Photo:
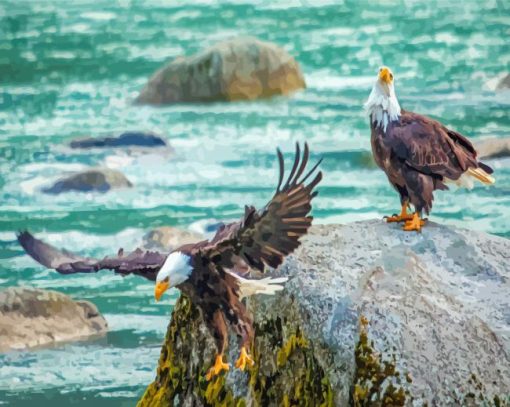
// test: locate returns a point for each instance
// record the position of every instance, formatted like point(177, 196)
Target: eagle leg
point(218, 327)
point(414, 224)
point(404, 216)
point(244, 359)
point(218, 366)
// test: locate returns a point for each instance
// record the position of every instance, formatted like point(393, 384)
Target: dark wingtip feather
point(486, 168)
point(282, 169)
point(24, 237)
point(297, 158)
point(304, 161)
point(312, 170)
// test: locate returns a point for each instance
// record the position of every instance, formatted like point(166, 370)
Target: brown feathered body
point(259, 240)
point(419, 155)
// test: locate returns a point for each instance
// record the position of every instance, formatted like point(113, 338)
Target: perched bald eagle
point(215, 274)
point(418, 154)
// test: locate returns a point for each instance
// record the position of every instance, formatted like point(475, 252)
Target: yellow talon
point(404, 216)
point(219, 365)
point(414, 224)
point(244, 359)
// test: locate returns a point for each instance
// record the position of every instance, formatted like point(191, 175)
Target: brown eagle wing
point(429, 147)
point(265, 237)
point(140, 262)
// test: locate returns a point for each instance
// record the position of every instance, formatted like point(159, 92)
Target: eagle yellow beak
point(385, 75)
point(160, 288)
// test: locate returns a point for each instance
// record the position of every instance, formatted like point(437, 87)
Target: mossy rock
point(285, 372)
point(431, 337)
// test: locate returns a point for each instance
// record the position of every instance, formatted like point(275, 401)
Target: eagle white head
point(382, 104)
point(175, 270)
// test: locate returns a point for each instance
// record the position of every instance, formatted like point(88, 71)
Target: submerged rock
point(169, 238)
point(31, 317)
point(494, 148)
point(370, 313)
point(97, 179)
point(504, 82)
point(209, 227)
point(127, 139)
point(237, 69)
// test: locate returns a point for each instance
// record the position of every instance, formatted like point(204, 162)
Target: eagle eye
point(391, 76)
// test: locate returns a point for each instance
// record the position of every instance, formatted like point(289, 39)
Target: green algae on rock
point(285, 372)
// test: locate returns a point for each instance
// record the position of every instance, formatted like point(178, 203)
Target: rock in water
point(241, 68)
point(127, 139)
point(169, 238)
point(493, 148)
point(98, 179)
point(32, 317)
point(369, 313)
point(504, 82)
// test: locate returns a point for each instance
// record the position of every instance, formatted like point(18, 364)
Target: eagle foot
point(215, 370)
point(244, 359)
point(398, 218)
point(403, 217)
point(415, 223)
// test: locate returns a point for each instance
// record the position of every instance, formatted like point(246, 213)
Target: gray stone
point(169, 238)
point(237, 69)
point(97, 179)
point(32, 317)
point(504, 82)
point(437, 305)
point(127, 139)
point(493, 148)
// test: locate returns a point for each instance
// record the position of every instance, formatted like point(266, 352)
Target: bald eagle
point(215, 274)
point(417, 153)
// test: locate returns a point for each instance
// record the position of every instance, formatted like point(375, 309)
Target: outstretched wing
point(429, 147)
point(265, 237)
point(139, 262)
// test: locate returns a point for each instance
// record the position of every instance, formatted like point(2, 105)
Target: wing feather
point(263, 238)
point(139, 262)
point(429, 147)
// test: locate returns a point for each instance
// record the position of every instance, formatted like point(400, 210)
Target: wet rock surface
point(494, 148)
point(237, 69)
point(32, 317)
point(127, 139)
point(96, 179)
point(169, 238)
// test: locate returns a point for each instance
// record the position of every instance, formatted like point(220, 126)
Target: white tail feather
point(268, 285)
point(466, 179)
point(481, 176)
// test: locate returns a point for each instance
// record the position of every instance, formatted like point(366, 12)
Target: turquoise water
point(70, 69)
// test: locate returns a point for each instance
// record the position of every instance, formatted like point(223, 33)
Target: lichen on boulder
point(237, 69)
point(437, 330)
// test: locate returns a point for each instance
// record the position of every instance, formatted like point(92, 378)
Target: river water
point(72, 68)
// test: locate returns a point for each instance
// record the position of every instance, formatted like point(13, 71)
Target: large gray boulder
point(168, 238)
point(493, 148)
point(237, 69)
point(32, 317)
point(96, 179)
point(371, 316)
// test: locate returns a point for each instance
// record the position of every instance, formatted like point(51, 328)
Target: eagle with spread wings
point(215, 274)
point(418, 154)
